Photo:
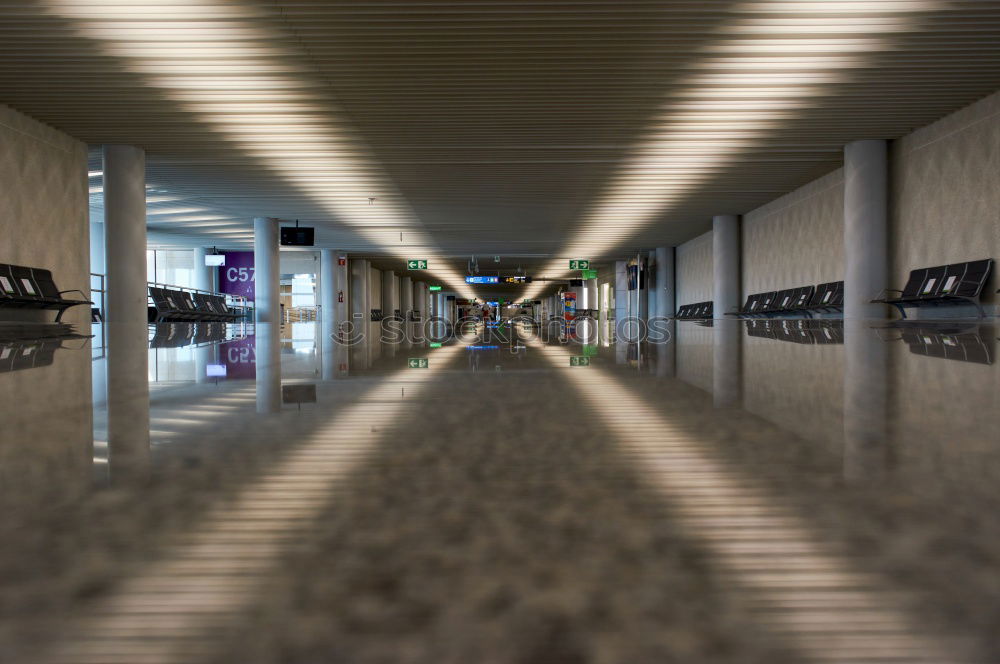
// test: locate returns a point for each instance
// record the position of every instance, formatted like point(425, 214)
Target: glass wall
point(170, 266)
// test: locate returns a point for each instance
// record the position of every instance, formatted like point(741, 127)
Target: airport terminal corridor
point(499, 332)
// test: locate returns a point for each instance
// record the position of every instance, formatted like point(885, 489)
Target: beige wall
point(44, 204)
point(693, 270)
point(796, 240)
point(946, 193)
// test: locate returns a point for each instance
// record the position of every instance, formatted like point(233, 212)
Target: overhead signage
point(517, 280)
point(435, 345)
point(579, 361)
point(482, 280)
point(588, 274)
point(416, 264)
point(417, 363)
point(579, 264)
point(433, 288)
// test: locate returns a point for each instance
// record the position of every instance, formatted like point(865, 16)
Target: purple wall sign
point(236, 277)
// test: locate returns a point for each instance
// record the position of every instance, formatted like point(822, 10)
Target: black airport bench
point(19, 355)
point(798, 330)
point(959, 283)
point(698, 311)
point(33, 288)
point(964, 344)
point(177, 306)
point(828, 297)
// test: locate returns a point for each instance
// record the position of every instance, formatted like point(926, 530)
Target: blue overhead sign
point(482, 280)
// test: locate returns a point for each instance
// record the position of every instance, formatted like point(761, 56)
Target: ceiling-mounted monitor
point(297, 236)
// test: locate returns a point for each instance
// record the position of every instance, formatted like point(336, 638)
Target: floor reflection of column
point(334, 356)
point(203, 356)
point(666, 348)
point(128, 400)
point(866, 365)
point(267, 341)
point(727, 368)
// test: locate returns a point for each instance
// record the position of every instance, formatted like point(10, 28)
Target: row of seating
point(176, 335)
point(33, 288)
point(828, 297)
point(962, 346)
point(959, 283)
point(177, 306)
point(798, 330)
point(695, 311)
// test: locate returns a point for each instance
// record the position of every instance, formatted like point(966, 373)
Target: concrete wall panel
point(694, 270)
point(44, 204)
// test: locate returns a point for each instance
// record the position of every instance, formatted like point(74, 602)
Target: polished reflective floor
point(763, 491)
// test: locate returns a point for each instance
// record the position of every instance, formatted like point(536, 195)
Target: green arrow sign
point(579, 264)
point(417, 363)
point(416, 264)
point(579, 361)
point(588, 274)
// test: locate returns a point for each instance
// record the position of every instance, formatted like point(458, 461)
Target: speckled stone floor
point(729, 496)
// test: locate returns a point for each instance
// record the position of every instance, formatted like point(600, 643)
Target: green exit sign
point(579, 265)
point(579, 361)
point(588, 274)
point(417, 363)
point(435, 345)
point(416, 264)
point(433, 288)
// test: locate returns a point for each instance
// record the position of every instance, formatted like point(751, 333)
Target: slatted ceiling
point(496, 126)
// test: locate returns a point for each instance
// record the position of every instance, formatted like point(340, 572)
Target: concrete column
point(622, 309)
point(360, 302)
point(866, 223)
point(420, 299)
point(652, 279)
point(405, 297)
point(420, 305)
point(125, 233)
point(333, 287)
point(267, 271)
point(666, 284)
point(204, 276)
point(640, 301)
point(725, 264)
point(590, 299)
point(390, 300)
point(128, 352)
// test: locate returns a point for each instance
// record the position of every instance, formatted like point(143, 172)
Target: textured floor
point(512, 507)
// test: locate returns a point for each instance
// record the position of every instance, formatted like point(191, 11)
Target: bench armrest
point(884, 294)
point(73, 290)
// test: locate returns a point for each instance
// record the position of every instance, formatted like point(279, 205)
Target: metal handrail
point(235, 301)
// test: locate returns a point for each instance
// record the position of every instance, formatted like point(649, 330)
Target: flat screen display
point(297, 236)
point(215, 260)
point(482, 280)
point(215, 370)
